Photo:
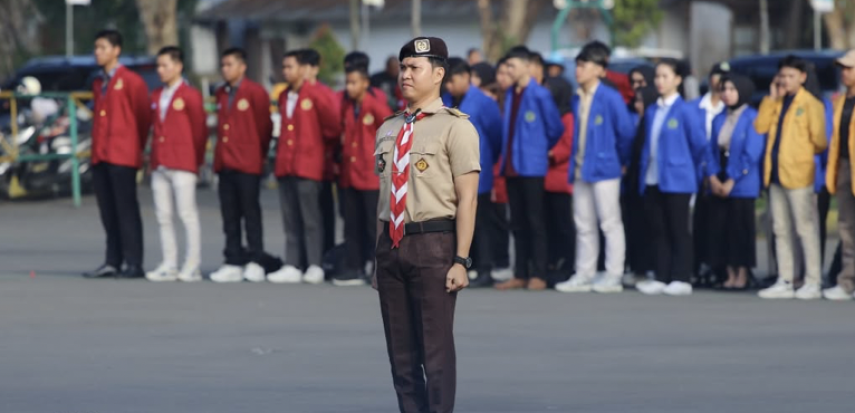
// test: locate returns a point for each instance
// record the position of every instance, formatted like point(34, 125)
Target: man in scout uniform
point(428, 160)
point(308, 120)
point(178, 148)
point(119, 133)
point(243, 139)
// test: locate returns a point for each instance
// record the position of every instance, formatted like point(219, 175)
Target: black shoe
point(349, 279)
point(104, 271)
point(131, 271)
point(483, 280)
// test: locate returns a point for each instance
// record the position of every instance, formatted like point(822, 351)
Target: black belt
point(438, 225)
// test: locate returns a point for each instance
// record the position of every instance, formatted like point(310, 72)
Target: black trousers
point(639, 253)
point(669, 226)
point(823, 201)
point(526, 196)
point(327, 203)
point(561, 231)
point(418, 319)
point(482, 244)
point(116, 192)
point(732, 237)
point(500, 235)
point(701, 220)
point(360, 227)
point(239, 204)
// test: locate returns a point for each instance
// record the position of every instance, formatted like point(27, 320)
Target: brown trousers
point(418, 318)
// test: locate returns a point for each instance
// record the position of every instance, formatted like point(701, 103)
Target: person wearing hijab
point(641, 77)
point(638, 252)
point(733, 168)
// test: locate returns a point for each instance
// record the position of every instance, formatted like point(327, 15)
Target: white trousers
point(795, 214)
point(592, 204)
point(169, 184)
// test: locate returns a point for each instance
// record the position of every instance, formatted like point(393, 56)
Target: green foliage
point(332, 54)
point(633, 19)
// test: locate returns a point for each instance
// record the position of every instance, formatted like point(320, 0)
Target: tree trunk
point(17, 36)
point(159, 19)
point(517, 19)
point(835, 25)
point(764, 27)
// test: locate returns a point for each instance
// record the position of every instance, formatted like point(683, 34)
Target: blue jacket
point(538, 128)
point(747, 148)
point(485, 116)
point(682, 146)
point(821, 160)
point(610, 133)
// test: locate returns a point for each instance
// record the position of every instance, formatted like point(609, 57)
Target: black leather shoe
point(131, 271)
point(104, 271)
point(483, 280)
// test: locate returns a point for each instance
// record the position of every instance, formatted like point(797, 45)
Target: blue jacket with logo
point(821, 160)
point(610, 133)
point(747, 148)
point(485, 116)
point(538, 128)
point(682, 147)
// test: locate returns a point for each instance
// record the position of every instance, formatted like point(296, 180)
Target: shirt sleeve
point(464, 150)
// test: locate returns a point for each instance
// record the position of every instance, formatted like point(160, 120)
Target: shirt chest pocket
point(425, 159)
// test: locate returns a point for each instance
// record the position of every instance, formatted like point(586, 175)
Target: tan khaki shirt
point(585, 101)
point(445, 146)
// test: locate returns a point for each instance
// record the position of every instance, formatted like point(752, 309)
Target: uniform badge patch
point(673, 124)
point(530, 117)
point(422, 165)
point(381, 164)
point(306, 104)
point(178, 104)
point(243, 104)
point(800, 111)
point(598, 120)
point(368, 119)
point(422, 45)
point(119, 84)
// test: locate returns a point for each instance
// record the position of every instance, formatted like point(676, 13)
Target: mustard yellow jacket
point(802, 138)
point(834, 150)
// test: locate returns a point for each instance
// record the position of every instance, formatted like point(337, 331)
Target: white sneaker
point(576, 284)
point(781, 290)
point(190, 275)
point(608, 283)
point(809, 292)
point(254, 273)
point(678, 288)
point(651, 287)
point(314, 275)
point(836, 294)
point(227, 274)
point(503, 274)
point(162, 273)
point(288, 274)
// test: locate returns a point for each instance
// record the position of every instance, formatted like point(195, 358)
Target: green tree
point(332, 54)
point(633, 19)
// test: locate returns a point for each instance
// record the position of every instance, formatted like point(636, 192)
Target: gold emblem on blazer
point(306, 104)
point(422, 45)
point(178, 104)
point(119, 84)
point(422, 165)
point(673, 124)
point(368, 119)
point(530, 116)
point(243, 104)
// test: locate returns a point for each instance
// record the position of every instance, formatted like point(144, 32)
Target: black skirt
point(732, 233)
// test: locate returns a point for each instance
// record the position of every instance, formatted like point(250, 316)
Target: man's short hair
point(794, 62)
point(458, 66)
point(595, 55)
point(311, 57)
point(598, 45)
point(110, 35)
point(173, 52)
point(537, 59)
point(356, 62)
point(519, 52)
point(235, 52)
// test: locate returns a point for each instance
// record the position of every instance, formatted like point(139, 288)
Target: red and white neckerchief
point(401, 176)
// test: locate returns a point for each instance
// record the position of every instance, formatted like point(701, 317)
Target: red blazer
point(332, 143)
point(180, 138)
point(360, 133)
point(302, 141)
point(121, 119)
point(559, 163)
point(244, 130)
point(500, 185)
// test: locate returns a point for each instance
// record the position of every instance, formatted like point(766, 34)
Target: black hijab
point(649, 95)
point(743, 85)
point(647, 72)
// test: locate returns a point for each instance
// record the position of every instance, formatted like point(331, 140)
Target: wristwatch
point(465, 262)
